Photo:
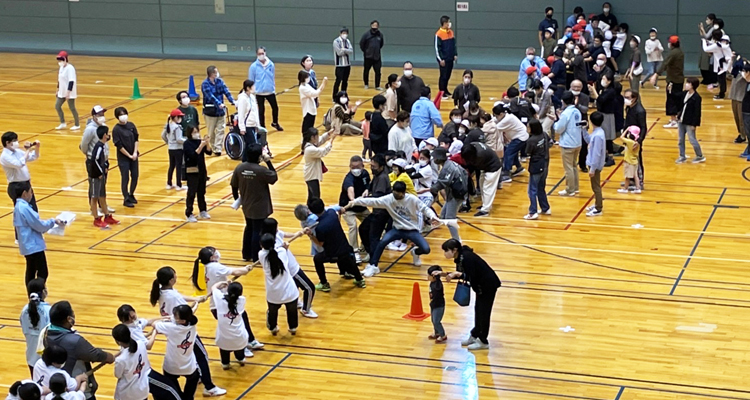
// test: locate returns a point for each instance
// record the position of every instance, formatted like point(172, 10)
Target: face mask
point(628, 102)
point(262, 58)
point(570, 46)
point(397, 84)
point(576, 50)
point(407, 73)
point(575, 92)
point(467, 81)
point(389, 163)
point(688, 87)
point(307, 81)
point(456, 121)
point(600, 62)
point(450, 25)
point(716, 27)
point(196, 136)
point(633, 45)
point(474, 112)
point(101, 120)
point(343, 100)
point(606, 10)
point(529, 57)
point(217, 254)
point(569, 34)
point(357, 172)
point(462, 130)
point(652, 37)
point(218, 75)
point(16, 145)
point(61, 63)
point(123, 118)
point(604, 83)
point(422, 163)
point(185, 101)
point(549, 16)
point(374, 30)
point(343, 37)
point(597, 44)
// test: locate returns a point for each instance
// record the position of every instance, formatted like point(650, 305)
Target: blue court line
point(264, 376)
point(622, 389)
point(697, 243)
point(556, 185)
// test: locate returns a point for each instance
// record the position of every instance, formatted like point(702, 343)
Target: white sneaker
point(478, 345)
point(594, 213)
point(379, 88)
point(300, 303)
point(565, 192)
point(181, 188)
point(293, 331)
point(548, 212)
point(255, 345)
point(61, 127)
point(204, 215)
point(309, 314)
point(415, 257)
point(357, 258)
point(215, 392)
point(367, 86)
point(16, 241)
point(637, 191)
point(110, 210)
point(393, 246)
point(248, 353)
point(75, 128)
point(623, 190)
point(531, 216)
point(671, 125)
point(275, 331)
point(226, 367)
point(370, 271)
point(402, 247)
point(192, 219)
point(169, 187)
point(469, 341)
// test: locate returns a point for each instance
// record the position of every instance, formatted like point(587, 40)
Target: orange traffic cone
point(416, 313)
point(438, 98)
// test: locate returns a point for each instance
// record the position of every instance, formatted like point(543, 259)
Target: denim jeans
point(422, 246)
point(690, 131)
point(436, 317)
point(511, 155)
point(537, 190)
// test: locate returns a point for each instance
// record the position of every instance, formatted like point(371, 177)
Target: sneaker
point(217, 154)
point(524, 159)
point(518, 171)
point(469, 341)
point(75, 128)
point(370, 271)
point(637, 191)
point(589, 208)
point(309, 314)
point(565, 192)
point(367, 160)
point(433, 336)
point(132, 199)
point(671, 125)
point(357, 258)
point(478, 345)
point(717, 97)
point(739, 139)
point(656, 88)
point(169, 187)
point(531, 216)
point(360, 284)
point(110, 210)
point(481, 213)
point(392, 246)
point(623, 190)
point(181, 188)
point(464, 209)
point(111, 221)
point(226, 367)
point(99, 223)
point(594, 213)
point(61, 127)
point(402, 247)
point(698, 160)
point(548, 212)
point(192, 219)
point(446, 97)
point(293, 331)
point(365, 258)
point(275, 331)
point(711, 86)
point(248, 353)
point(204, 215)
point(348, 275)
point(323, 287)
point(367, 86)
point(215, 392)
point(255, 345)
point(415, 258)
point(506, 179)
point(680, 160)
point(278, 127)
point(300, 303)
point(441, 339)
point(379, 88)
point(745, 154)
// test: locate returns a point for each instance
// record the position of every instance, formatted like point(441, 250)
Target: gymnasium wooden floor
point(646, 302)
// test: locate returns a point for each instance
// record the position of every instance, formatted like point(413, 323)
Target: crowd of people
point(413, 170)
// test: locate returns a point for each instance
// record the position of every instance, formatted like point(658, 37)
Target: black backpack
point(460, 185)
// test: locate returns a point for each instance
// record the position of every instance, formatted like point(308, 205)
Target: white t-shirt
point(307, 96)
point(42, 373)
point(231, 334)
point(512, 128)
point(179, 358)
point(281, 289)
point(78, 395)
point(620, 39)
point(136, 329)
point(65, 75)
point(215, 272)
point(11, 397)
point(293, 266)
point(131, 371)
point(168, 300)
point(425, 182)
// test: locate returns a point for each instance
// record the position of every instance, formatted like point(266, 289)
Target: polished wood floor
point(645, 302)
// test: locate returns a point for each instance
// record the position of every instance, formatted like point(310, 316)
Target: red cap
point(592, 16)
point(176, 113)
point(576, 36)
point(674, 39)
point(530, 70)
point(578, 28)
point(545, 70)
point(582, 23)
point(63, 55)
point(550, 60)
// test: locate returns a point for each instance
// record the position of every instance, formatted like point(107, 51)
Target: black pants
point(709, 77)
point(36, 266)
point(245, 320)
point(308, 122)
point(640, 165)
point(239, 355)
point(366, 148)
point(342, 79)
point(313, 189)
point(345, 262)
point(372, 228)
point(162, 387)
point(128, 174)
point(191, 384)
point(201, 356)
point(175, 161)
point(251, 239)
point(308, 289)
point(445, 75)
point(722, 84)
point(12, 194)
point(583, 154)
point(375, 65)
point(272, 315)
point(271, 98)
point(482, 312)
point(196, 184)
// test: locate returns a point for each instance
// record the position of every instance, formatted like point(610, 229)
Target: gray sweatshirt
point(89, 138)
point(407, 213)
point(446, 177)
point(173, 138)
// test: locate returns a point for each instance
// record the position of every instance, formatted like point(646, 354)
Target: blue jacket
point(597, 149)
point(264, 77)
point(566, 127)
point(538, 63)
point(213, 93)
point(30, 228)
point(423, 115)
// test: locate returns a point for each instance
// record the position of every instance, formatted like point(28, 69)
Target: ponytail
point(121, 333)
point(185, 313)
point(234, 291)
point(169, 119)
point(199, 275)
point(267, 241)
point(307, 136)
point(58, 385)
point(163, 276)
point(35, 289)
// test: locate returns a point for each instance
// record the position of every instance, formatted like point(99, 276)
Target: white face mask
point(344, 36)
point(529, 57)
point(462, 130)
point(343, 100)
point(633, 45)
point(196, 136)
point(457, 120)
point(688, 87)
point(307, 81)
point(218, 75)
point(570, 46)
point(185, 101)
point(450, 25)
point(357, 172)
point(61, 63)
point(604, 83)
point(389, 163)
point(217, 254)
point(474, 112)
point(628, 102)
point(123, 118)
point(576, 51)
point(606, 10)
point(16, 145)
point(397, 84)
point(575, 92)
point(101, 120)
point(467, 81)
point(600, 62)
point(262, 58)
point(716, 26)
point(422, 163)
point(407, 73)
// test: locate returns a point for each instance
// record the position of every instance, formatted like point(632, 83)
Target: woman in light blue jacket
point(263, 73)
point(34, 318)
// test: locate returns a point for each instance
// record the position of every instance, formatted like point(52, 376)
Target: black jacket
point(193, 159)
point(474, 136)
point(636, 115)
point(462, 94)
point(450, 130)
point(378, 133)
point(583, 106)
point(606, 102)
point(522, 108)
point(485, 160)
point(692, 109)
point(409, 92)
point(371, 43)
point(477, 271)
point(537, 148)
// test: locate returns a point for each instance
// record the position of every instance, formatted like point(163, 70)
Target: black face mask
point(374, 30)
point(549, 16)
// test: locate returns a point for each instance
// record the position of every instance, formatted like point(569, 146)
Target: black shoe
point(481, 213)
point(132, 199)
point(739, 139)
point(277, 127)
point(128, 204)
point(584, 170)
point(464, 209)
point(217, 154)
point(518, 171)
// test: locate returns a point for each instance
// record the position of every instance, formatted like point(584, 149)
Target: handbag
point(638, 70)
point(462, 295)
point(323, 166)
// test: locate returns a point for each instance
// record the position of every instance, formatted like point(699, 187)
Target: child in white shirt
point(654, 55)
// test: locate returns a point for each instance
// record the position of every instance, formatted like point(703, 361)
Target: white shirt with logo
point(179, 358)
point(231, 334)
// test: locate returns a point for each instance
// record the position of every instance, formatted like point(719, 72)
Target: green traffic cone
point(136, 90)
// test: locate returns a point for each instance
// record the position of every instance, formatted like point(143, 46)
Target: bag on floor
point(234, 145)
point(328, 119)
point(462, 295)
